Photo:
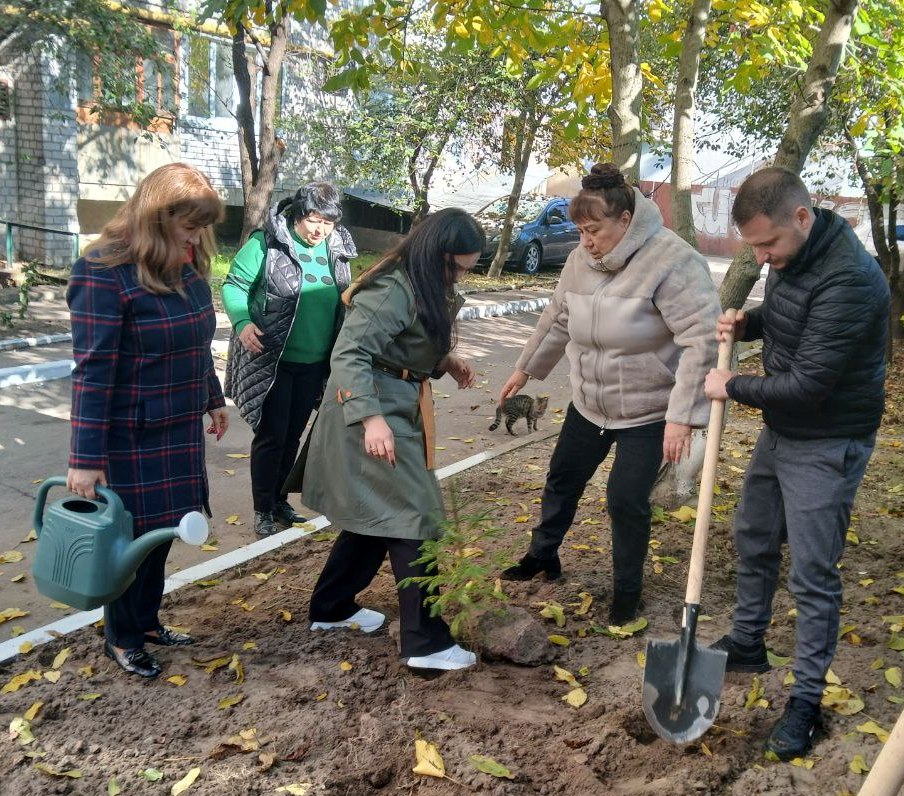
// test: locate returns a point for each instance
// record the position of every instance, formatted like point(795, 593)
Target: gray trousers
point(800, 492)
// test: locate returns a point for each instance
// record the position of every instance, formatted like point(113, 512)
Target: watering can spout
point(192, 529)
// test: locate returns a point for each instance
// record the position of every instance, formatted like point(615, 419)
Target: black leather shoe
point(167, 637)
point(528, 567)
point(743, 658)
point(134, 661)
point(264, 524)
point(285, 516)
point(626, 607)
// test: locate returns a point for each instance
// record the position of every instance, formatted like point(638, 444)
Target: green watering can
point(86, 555)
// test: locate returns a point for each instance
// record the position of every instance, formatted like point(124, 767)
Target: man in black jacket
point(824, 322)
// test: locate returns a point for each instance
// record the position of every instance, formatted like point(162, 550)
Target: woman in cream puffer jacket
point(634, 311)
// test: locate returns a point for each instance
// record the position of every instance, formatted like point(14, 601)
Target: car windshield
point(528, 209)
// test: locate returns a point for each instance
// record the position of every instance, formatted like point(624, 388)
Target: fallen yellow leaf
point(684, 514)
point(346, 666)
point(58, 605)
point(73, 773)
point(296, 788)
point(238, 455)
point(53, 676)
point(893, 676)
point(871, 728)
point(186, 782)
point(486, 765)
point(19, 680)
point(560, 641)
point(33, 710)
point(60, 658)
point(11, 557)
point(17, 578)
point(25, 647)
point(11, 613)
point(429, 762)
point(20, 730)
point(858, 765)
point(576, 697)
point(90, 697)
point(231, 701)
point(565, 676)
point(177, 679)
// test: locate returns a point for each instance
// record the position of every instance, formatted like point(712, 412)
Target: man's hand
point(714, 386)
point(724, 326)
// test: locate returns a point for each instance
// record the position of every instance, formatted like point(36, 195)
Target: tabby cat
point(521, 406)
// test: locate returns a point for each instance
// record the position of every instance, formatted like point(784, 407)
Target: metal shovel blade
point(682, 683)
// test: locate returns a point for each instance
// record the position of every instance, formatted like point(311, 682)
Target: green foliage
point(461, 572)
point(109, 36)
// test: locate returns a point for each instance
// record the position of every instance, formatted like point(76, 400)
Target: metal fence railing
point(11, 225)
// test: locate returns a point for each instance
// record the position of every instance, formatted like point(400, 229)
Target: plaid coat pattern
point(143, 379)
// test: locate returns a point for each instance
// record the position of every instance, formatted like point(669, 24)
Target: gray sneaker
point(264, 524)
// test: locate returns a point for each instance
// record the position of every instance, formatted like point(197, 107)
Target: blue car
point(543, 234)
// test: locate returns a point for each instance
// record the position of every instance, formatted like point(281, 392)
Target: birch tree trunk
point(627, 84)
point(683, 125)
point(806, 121)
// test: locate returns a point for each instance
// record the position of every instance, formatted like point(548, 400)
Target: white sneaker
point(363, 619)
point(453, 658)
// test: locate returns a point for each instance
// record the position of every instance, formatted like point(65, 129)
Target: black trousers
point(581, 448)
point(353, 564)
point(130, 615)
point(284, 415)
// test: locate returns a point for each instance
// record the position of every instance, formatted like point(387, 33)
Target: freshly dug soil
point(337, 713)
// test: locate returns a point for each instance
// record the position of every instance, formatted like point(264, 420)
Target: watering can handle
point(114, 504)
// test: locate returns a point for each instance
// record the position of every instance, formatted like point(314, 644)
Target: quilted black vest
point(272, 301)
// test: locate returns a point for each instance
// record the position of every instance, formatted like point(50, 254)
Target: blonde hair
point(143, 231)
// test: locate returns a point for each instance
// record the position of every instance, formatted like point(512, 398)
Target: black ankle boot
point(528, 567)
point(626, 607)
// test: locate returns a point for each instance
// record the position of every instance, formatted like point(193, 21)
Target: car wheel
point(530, 261)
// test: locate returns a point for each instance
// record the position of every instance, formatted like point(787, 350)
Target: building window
point(211, 85)
point(139, 87)
point(5, 106)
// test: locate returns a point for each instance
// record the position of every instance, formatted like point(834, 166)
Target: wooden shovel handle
point(708, 480)
point(887, 774)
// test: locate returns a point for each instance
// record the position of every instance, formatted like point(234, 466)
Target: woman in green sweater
point(282, 296)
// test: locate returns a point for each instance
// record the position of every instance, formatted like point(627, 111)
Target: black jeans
point(353, 563)
point(284, 414)
point(133, 613)
point(581, 448)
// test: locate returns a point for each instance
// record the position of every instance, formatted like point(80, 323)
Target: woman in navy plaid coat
point(142, 324)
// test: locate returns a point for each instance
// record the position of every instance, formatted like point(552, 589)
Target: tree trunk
point(683, 126)
point(528, 123)
point(627, 85)
point(259, 150)
point(807, 118)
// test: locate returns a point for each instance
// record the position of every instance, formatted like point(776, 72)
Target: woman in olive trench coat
point(369, 467)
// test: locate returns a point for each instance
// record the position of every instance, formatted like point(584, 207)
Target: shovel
point(887, 774)
point(682, 680)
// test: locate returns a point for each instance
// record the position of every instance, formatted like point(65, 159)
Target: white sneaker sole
point(442, 664)
point(365, 620)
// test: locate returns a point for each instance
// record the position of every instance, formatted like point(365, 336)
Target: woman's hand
point(82, 482)
point(378, 438)
point(676, 443)
point(459, 369)
point(219, 422)
point(250, 338)
point(725, 326)
point(515, 382)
